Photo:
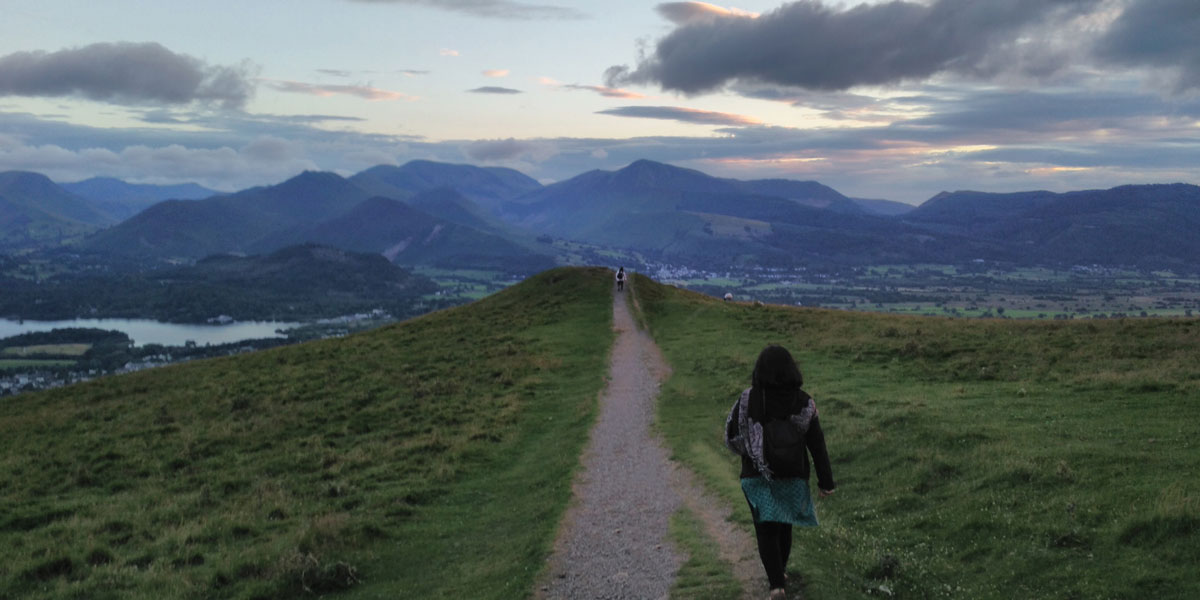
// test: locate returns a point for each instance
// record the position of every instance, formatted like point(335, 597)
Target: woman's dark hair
point(776, 370)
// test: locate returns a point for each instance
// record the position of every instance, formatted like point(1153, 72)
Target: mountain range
point(462, 216)
point(121, 200)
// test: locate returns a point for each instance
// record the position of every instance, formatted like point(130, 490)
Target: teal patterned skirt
point(780, 500)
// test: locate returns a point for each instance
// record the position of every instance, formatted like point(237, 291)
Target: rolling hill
point(450, 205)
point(488, 186)
point(231, 223)
point(1143, 225)
point(408, 236)
point(121, 200)
point(36, 212)
point(339, 465)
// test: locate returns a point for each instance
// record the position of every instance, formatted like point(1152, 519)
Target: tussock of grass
point(976, 459)
point(427, 459)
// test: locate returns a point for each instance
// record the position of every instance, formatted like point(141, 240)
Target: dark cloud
point(492, 89)
point(811, 45)
point(493, 9)
point(335, 72)
point(505, 150)
point(686, 115)
point(833, 105)
point(124, 73)
point(1157, 33)
point(988, 112)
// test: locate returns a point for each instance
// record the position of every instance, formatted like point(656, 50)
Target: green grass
point(976, 458)
point(47, 350)
point(426, 459)
point(21, 363)
point(703, 576)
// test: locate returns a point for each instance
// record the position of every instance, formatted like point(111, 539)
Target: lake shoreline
point(149, 331)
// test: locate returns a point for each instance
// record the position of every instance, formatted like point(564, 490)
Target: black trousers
point(774, 547)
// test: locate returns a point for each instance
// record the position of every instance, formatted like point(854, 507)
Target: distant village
point(44, 379)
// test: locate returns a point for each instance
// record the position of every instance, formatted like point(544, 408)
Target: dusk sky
point(897, 100)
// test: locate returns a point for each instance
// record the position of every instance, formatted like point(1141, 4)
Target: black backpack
point(783, 445)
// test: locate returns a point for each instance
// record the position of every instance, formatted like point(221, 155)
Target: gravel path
point(613, 542)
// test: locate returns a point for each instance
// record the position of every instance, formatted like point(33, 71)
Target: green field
point(967, 290)
point(47, 350)
point(464, 285)
point(22, 363)
point(975, 458)
point(426, 459)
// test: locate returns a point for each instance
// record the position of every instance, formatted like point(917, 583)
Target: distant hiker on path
point(620, 279)
point(773, 426)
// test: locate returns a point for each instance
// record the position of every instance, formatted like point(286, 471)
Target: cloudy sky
point(897, 100)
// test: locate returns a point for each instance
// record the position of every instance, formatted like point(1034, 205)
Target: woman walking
point(773, 426)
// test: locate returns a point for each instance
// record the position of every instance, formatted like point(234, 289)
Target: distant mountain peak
point(24, 178)
point(309, 177)
point(645, 173)
point(317, 184)
point(643, 163)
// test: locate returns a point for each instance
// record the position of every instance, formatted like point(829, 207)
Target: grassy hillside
point(430, 459)
point(976, 458)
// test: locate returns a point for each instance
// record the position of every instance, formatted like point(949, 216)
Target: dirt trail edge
point(613, 543)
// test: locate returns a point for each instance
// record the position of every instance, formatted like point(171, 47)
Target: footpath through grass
point(428, 459)
point(975, 458)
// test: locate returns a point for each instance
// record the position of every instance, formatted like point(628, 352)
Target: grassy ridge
point(976, 459)
point(427, 459)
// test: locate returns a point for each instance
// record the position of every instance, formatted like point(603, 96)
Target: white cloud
point(360, 91)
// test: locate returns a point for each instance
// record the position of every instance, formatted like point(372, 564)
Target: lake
point(146, 331)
